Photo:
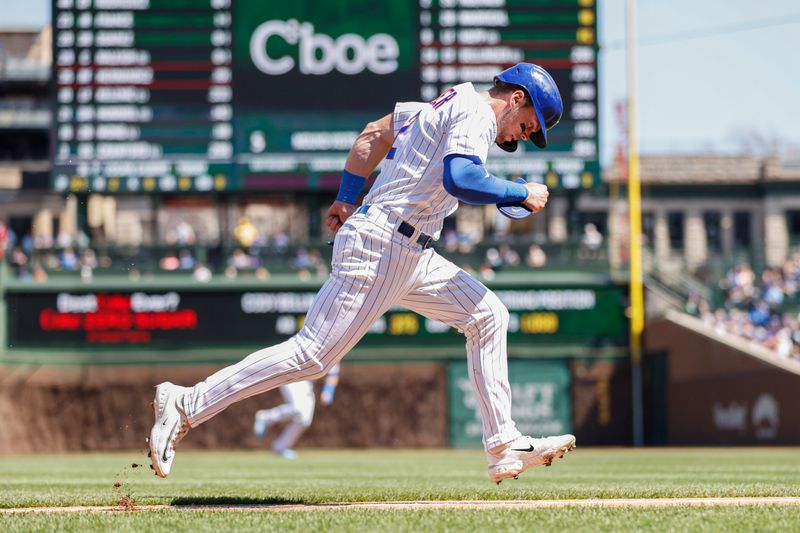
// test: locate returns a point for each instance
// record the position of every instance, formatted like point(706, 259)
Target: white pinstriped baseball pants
point(374, 268)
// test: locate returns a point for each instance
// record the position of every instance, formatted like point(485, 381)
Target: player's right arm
point(367, 152)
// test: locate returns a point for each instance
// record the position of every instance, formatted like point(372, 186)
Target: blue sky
point(712, 75)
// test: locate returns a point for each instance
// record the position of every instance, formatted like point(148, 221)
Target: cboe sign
point(319, 53)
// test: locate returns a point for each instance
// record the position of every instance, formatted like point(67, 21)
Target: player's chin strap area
point(508, 146)
point(405, 229)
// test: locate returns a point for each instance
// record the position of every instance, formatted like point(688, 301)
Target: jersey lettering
point(438, 102)
point(443, 98)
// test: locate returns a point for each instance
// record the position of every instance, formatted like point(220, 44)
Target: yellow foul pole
point(635, 239)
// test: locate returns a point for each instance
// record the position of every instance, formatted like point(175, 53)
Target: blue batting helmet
point(545, 96)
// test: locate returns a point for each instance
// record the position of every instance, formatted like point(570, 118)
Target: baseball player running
point(297, 409)
point(434, 155)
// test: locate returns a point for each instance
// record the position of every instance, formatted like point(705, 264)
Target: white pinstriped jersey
point(459, 121)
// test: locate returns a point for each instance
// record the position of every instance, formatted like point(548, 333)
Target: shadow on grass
point(233, 501)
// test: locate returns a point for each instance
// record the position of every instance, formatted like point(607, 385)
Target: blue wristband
point(350, 187)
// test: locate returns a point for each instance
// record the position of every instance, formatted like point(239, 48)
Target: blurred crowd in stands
point(763, 309)
point(532, 255)
point(252, 253)
point(28, 261)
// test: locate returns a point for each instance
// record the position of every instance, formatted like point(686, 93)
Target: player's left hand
point(338, 213)
point(535, 202)
point(537, 196)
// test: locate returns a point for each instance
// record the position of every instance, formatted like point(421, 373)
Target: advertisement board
point(184, 317)
point(541, 402)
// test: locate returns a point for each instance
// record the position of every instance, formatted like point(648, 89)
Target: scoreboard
point(143, 95)
point(191, 317)
point(223, 95)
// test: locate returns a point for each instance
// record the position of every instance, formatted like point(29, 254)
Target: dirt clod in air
point(122, 494)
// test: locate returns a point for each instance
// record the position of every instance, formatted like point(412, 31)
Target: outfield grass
point(338, 476)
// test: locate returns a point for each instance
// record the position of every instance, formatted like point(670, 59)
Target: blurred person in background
point(39, 274)
point(297, 410)
point(43, 241)
point(201, 273)
point(87, 262)
point(486, 271)
point(493, 259)
point(465, 243)
point(63, 239)
point(240, 260)
point(231, 272)
point(169, 262)
point(591, 241)
point(450, 238)
point(182, 234)
point(280, 242)
point(302, 260)
point(536, 257)
point(692, 305)
point(186, 260)
point(509, 256)
point(68, 259)
point(19, 263)
point(245, 232)
point(27, 244)
point(319, 263)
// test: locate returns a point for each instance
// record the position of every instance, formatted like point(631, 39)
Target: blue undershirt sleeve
point(466, 178)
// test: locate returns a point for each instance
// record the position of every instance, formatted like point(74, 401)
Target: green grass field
point(224, 478)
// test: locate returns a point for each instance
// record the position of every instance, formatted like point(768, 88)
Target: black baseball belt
point(406, 229)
